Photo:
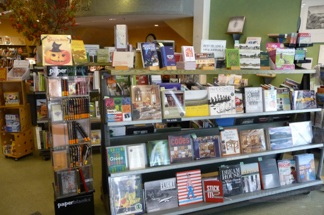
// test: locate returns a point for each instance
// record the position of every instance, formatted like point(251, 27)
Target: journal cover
point(303, 99)
point(158, 152)
point(161, 195)
point(253, 100)
point(283, 99)
point(207, 147)
point(287, 172)
point(221, 100)
point(118, 109)
point(188, 53)
point(126, 195)
point(230, 143)
point(213, 191)
point(270, 100)
point(232, 58)
point(301, 133)
point(42, 113)
point(173, 104)
point(56, 50)
point(196, 103)
point(269, 174)
point(167, 53)
point(180, 148)
point(250, 177)
point(305, 165)
point(149, 55)
point(280, 138)
point(136, 156)
point(78, 52)
point(146, 103)
point(231, 180)
point(239, 105)
point(253, 141)
point(189, 187)
point(116, 159)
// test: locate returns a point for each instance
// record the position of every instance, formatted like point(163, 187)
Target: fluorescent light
point(156, 25)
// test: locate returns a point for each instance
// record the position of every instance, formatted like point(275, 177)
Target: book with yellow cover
point(196, 103)
point(78, 52)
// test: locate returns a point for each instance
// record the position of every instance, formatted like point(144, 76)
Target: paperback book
point(279, 138)
point(253, 100)
point(167, 54)
point(161, 195)
point(42, 113)
point(78, 52)
point(305, 165)
point(116, 158)
point(287, 172)
point(180, 148)
point(303, 99)
point(136, 156)
point(158, 153)
point(126, 195)
point(173, 104)
point(67, 182)
point(230, 143)
point(253, 141)
point(250, 177)
point(232, 58)
point(188, 53)
point(196, 103)
point(118, 109)
point(231, 180)
point(213, 190)
point(270, 100)
point(221, 100)
point(283, 99)
point(149, 55)
point(102, 56)
point(301, 133)
point(207, 147)
point(269, 174)
point(239, 105)
point(189, 187)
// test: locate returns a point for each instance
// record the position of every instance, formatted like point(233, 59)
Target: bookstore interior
point(158, 125)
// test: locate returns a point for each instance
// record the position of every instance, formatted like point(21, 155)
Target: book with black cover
point(149, 55)
point(305, 165)
point(269, 174)
point(180, 148)
point(231, 179)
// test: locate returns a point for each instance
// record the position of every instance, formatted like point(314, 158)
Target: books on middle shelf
point(173, 105)
point(279, 138)
point(221, 100)
point(207, 147)
point(230, 143)
point(181, 149)
point(253, 141)
point(158, 152)
point(253, 99)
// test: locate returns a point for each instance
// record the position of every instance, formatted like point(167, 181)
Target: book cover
point(67, 182)
point(283, 99)
point(116, 159)
point(158, 153)
point(188, 53)
point(126, 195)
point(161, 195)
point(274, 46)
point(180, 148)
point(173, 104)
point(269, 174)
point(207, 147)
point(136, 156)
point(303, 99)
point(146, 103)
point(231, 180)
point(121, 37)
point(250, 177)
point(253, 141)
point(56, 50)
point(196, 103)
point(189, 187)
point(287, 172)
point(123, 59)
point(41, 107)
point(264, 59)
point(221, 100)
point(280, 138)
point(305, 167)
point(168, 56)
point(102, 56)
point(213, 190)
point(95, 137)
point(78, 52)
point(232, 58)
point(139, 80)
point(149, 55)
point(269, 100)
point(253, 40)
point(239, 105)
point(285, 59)
point(253, 100)
point(118, 109)
point(301, 133)
point(3, 73)
point(56, 113)
point(170, 86)
point(230, 143)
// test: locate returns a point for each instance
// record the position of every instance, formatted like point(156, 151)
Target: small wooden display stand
point(169, 68)
point(234, 68)
point(152, 68)
point(121, 68)
point(207, 68)
point(267, 77)
point(265, 68)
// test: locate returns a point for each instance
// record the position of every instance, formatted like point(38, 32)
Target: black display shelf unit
point(298, 45)
point(209, 165)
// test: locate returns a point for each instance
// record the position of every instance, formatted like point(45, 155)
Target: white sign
point(217, 47)
point(91, 49)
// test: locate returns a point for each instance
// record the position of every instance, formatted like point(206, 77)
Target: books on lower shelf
point(269, 174)
point(42, 138)
point(231, 180)
point(287, 172)
point(250, 177)
point(305, 167)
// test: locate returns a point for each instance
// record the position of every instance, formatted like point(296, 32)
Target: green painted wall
point(261, 18)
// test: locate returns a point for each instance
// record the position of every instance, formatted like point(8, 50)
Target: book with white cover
point(217, 47)
point(136, 156)
point(188, 53)
point(270, 100)
point(221, 100)
point(253, 40)
point(253, 100)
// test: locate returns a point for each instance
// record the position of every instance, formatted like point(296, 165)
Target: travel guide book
point(158, 152)
point(269, 174)
point(279, 138)
point(253, 141)
point(180, 148)
point(305, 166)
point(221, 100)
point(287, 172)
point(250, 177)
point(207, 147)
point(149, 55)
point(116, 158)
point(230, 143)
point(231, 180)
point(173, 104)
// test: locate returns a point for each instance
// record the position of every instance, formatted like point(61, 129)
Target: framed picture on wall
point(236, 25)
point(312, 19)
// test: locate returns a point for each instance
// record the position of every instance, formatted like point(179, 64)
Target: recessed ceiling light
point(37, 20)
point(156, 25)
point(112, 19)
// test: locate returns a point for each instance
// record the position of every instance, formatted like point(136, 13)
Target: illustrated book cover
point(146, 103)
point(116, 158)
point(279, 138)
point(42, 113)
point(189, 187)
point(239, 105)
point(269, 100)
point(102, 56)
point(95, 137)
point(196, 103)
point(78, 52)
point(250, 177)
point(136, 156)
point(67, 182)
point(287, 172)
point(231, 180)
point(269, 174)
point(149, 55)
point(173, 104)
point(302, 132)
point(253, 141)
point(188, 53)
point(253, 100)
point(158, 153)
point(230, 143)
point(283, 99)
point(118, 109)
point(167, 53)
point(126, 195)
point(232, 58)
point(213, 190)
point(161, 194)
point(303, 99)
point(305, 167)
point(180, 148)
point(221, 100)
point(207, 147)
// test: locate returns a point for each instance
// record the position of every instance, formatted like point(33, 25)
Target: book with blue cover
point(116, 158)
point(168, 58)
point(305, 167)
point(279, 138)
point(149, 55)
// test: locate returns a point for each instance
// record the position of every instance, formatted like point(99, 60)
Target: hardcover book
point(102, 56)
point(158, 153)
point(180, 148)
point(146, 103)
point(250, 177)
point(116, 158)
point(213, 190)
point(196, 103)
point(231, 180)
point(305, 165)
point(264, 59)
point(269, 174)
point(253, 100)
point(232, 58)
point(253, 141)
point(287, 172)
point(230, 143)
point(189, 187)
point(188, 53)
point(283, 99)
point(173, 104)
point(136, 156)
point(161, 195)
point(279, 138)
point(126, 195)
point(270, 100)
point(303, 99)
point(239, 105)
point(207, 147)
point(221, 100)
point(78, 52)
point(56, 50)
point(167, 53)
point(118, 109)
point(149, 55)
point(301, 133)
point(42, 113)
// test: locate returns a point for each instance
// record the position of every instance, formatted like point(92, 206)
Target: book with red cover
point(213, 191)
point(180, 148)
point(189, 187)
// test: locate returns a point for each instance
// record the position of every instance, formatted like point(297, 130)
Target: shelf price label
point(171, 120)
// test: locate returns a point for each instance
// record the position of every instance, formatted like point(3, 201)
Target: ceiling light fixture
point(156, 25)
point(37, 20)
point(111, 19)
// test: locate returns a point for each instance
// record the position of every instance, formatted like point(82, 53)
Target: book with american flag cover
point(189, 187)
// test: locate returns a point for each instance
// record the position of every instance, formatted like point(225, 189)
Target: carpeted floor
point(26, 187)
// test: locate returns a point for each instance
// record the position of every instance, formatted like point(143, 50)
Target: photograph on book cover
point(312, 15)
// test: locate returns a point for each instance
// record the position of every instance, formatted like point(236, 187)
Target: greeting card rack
point(213, 164)
point(67, 92)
